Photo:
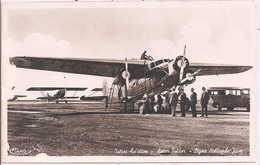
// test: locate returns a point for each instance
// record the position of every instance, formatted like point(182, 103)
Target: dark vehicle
point(230, 97)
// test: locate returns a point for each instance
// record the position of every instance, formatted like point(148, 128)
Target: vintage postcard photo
point(151, 81)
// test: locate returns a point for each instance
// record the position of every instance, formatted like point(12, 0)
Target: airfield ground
point(87, 129)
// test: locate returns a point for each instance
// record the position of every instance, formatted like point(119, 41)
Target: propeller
point(127, 77)
point(190, 76)
point(182, 64)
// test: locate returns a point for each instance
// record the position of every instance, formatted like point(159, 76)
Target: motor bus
point(230, 97)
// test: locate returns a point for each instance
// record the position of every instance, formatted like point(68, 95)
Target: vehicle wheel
point(57, 101)
point(230, 108)
point(66, 101)
point(248, 107)
point(218, 107)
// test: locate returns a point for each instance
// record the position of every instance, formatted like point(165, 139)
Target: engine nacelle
point(122, 73)
point(190, 78)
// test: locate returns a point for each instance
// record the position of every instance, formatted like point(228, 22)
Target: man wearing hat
point(193, 99)
point(167, 101)
point(173, 100)
point(204, 102)
point(183, 100)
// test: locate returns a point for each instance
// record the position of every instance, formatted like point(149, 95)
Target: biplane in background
point(59, 95)
point(143, 75)
point(94, 98)
point(16, 97)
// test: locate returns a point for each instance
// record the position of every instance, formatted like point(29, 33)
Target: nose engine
point(179, 62)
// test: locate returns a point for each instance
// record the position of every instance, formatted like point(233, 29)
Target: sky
point(213, 33)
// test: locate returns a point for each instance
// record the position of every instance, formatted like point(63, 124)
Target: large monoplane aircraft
point(144, 75)
point(58, 96)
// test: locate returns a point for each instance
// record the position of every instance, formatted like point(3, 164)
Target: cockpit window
point(158, 62)
point(152, 65)
point(166, 60)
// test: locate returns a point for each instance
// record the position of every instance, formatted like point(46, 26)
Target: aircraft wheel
point(230, 108)
point(57, 101)
point(66, 101)
point(248, 107)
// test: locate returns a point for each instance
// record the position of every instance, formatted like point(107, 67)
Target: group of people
point(172, 98)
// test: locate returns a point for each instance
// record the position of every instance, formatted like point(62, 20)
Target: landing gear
point(66, 101)
point(57, 101)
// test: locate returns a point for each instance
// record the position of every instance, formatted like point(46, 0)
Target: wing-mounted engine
point(189, 77)
point(122, 74)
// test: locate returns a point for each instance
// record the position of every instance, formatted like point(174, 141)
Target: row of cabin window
point(229, 92)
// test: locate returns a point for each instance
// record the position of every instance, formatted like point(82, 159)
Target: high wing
point(55, 88)
point(110, 68)
point(98, 67)
point(216, 69)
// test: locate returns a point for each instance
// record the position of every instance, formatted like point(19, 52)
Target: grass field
point(90, 130)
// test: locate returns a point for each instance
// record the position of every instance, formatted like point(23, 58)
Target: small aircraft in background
point(95, 98)
point(15, 97)
point(144, 75)
point(59, 95)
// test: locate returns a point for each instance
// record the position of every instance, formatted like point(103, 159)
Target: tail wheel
point(178, 62)
point(248, 107)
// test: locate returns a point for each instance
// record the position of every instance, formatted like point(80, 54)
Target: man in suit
point(152, 99)
point(173, 100)
point(183, 100)
point(193, 99)
point(167, 98)
point(159, 102)
point(204, 102)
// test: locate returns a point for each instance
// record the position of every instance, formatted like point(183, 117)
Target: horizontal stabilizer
point(93, 97)
point(97, 89)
